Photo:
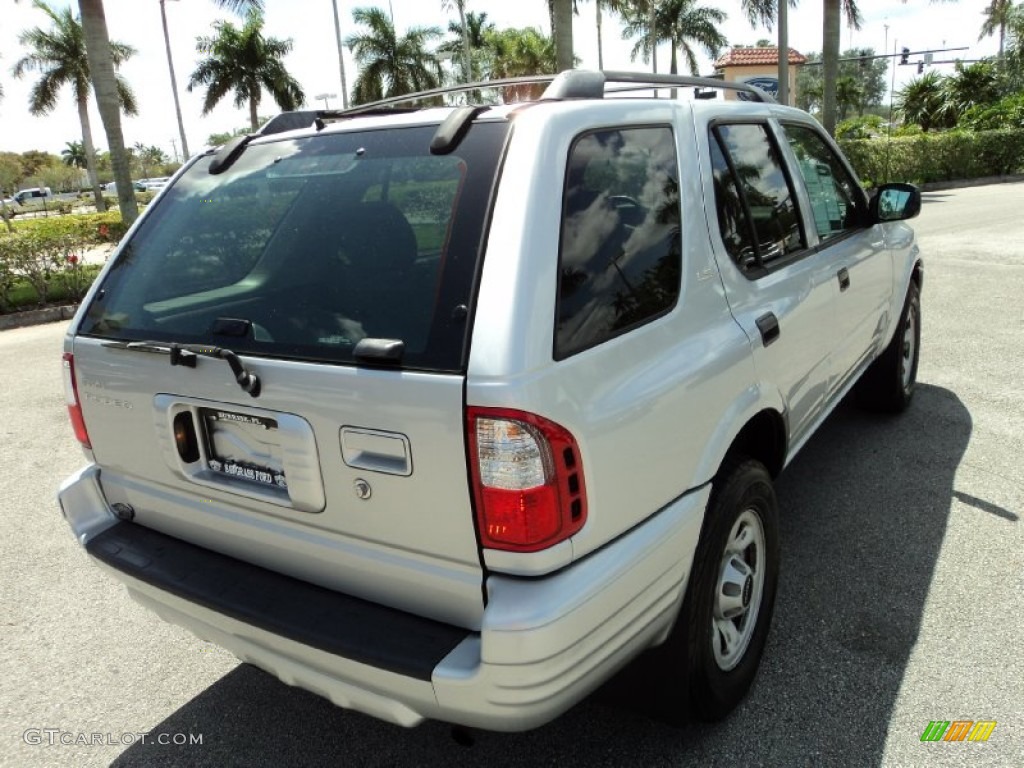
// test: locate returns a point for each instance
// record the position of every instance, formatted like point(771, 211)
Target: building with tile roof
point(759, 65)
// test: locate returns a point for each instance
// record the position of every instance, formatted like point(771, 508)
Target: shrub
point(37, 255)
point(944, 156)
point(42, 257)
point(863, 127)
point(1006, 113)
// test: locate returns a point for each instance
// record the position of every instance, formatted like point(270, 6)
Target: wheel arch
point(754, 427)
point(763, 438)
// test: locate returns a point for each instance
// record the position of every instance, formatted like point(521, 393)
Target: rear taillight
point(71, 397)
point(527, 480)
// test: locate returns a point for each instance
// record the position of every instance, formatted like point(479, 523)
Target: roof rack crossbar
point(640, 78)
point(481, 85)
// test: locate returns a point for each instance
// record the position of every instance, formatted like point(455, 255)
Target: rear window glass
point(314, 244)
point(620, 250)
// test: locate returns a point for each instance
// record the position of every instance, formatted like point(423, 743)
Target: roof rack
point(570, 84)
point(481, 85)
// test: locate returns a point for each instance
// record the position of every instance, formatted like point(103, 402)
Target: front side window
point(304, 247)
point(836, 200)
point(619, 255)
point(757, 212)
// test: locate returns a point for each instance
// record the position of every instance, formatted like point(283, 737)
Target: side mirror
point(895, 202)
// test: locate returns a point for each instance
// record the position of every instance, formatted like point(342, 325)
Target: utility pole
point(341, 57)
point(783, 52)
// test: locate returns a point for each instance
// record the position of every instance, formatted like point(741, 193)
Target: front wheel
point(723, 625)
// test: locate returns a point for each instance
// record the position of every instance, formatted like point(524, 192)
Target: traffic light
point(920, 67)
point(905, 56)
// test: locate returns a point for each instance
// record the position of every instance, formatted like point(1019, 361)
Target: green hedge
point(937, 156)
point(84, 228)
point(41, 260)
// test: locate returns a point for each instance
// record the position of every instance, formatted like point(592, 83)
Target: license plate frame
point(216, 420)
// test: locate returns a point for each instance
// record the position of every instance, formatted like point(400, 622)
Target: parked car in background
point(451, 412)
point(10, 206)
point(33, 195)
point(151, 185)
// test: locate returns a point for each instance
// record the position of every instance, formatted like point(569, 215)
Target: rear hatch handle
point(186, 354)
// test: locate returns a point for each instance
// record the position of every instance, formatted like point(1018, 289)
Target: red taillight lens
point(71, 397)
point(527, 480)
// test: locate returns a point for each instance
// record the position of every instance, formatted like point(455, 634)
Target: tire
point(888, 385)
point(732, 584)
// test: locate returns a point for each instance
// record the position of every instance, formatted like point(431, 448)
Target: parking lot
point(900, 599)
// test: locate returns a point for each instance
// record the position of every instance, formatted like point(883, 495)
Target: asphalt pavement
point(899, 603)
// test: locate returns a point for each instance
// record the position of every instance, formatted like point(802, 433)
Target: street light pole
point(783, 52)
point(341, 58)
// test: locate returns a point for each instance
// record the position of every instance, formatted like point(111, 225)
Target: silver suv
point(451, 412)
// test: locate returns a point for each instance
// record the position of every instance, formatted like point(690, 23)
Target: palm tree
point(389, 65)
point(849, 93)
point(105, 84)
point(518, 53)
point(467, 60)
point(241, 7)
point(560, 12)
point(1012, 68)
point(830, 55)
point(615, 6)
point(73, 155)
point(521, 52)
point(997, 16)
point(971, 85)
point(246, 62)
point(59, 55)
point(923, 102)
point(678, 22)
point(148, 157)
point(477, 26)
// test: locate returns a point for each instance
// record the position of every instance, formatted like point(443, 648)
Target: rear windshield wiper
point(186, 355)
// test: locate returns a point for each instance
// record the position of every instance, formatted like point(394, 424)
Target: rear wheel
point(888, 385)
point(716, 646)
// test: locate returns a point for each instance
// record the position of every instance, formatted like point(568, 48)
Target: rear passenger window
point(619, 255)
point(836, 201)
point(757, 211)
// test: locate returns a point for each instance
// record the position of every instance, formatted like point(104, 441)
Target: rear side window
point(312, 244)
point(619, 255)
point(757, 213)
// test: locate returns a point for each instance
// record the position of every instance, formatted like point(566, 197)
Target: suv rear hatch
point(337, 270)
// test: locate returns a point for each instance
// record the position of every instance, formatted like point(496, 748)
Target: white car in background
point(152, 185)
point(10, 206)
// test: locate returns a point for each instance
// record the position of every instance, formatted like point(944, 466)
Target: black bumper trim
point(339, 624)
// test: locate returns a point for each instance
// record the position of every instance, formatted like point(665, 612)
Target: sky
point(888, 25)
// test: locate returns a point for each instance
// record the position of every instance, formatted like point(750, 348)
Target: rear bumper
point(545, 643)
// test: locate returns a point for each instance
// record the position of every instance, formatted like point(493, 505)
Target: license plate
point(243, 446)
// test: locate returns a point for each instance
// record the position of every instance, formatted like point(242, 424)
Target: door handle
point(844, 278)
point(768, 325)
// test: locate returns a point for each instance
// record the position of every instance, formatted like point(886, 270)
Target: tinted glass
point(733, 222)
point(764, 197)
point(836, 201)
point(619, 258)
point(314, 243)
